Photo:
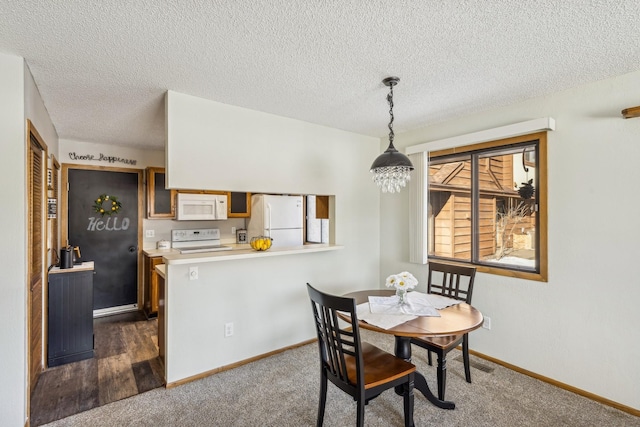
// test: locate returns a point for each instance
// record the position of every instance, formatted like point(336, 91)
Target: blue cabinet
point(70, 328)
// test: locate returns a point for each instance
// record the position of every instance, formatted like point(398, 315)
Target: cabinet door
point(160, 201)
point(322, 207)
point(151, 292)
point(239, 205)
point(70, 321)
point(154, 294)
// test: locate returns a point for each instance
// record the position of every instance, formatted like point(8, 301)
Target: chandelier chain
point(390, 100)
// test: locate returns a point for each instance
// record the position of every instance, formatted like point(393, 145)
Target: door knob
point(132, 249)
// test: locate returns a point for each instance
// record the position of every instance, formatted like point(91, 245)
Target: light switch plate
point(228, 329)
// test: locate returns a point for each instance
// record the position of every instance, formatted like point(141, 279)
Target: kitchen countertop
point(159, 252)
point(239, 251)
point(85, 266)
point(161, 270)
point(153, 252)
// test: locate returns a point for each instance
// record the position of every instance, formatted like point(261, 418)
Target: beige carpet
point(282, 390)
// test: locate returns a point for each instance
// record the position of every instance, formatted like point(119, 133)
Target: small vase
point(401, 294)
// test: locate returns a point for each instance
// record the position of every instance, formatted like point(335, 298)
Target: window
point(487, 206)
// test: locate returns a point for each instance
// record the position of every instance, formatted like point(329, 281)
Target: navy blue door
point(110, 239)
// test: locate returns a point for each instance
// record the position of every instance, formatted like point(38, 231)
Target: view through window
point(484, 205)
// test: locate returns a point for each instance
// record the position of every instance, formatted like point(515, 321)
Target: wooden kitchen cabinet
point(151, 286)
point(203, 192)
point(238, 205)
point(160, 201)
point(322, 207)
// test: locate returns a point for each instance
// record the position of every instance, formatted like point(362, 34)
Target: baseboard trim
point(236, 364)
point(559, 384)
point(109, 311)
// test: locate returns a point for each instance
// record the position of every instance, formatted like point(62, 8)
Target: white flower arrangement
point(402, 281)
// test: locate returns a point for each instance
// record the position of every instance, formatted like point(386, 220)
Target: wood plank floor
point(126, 363)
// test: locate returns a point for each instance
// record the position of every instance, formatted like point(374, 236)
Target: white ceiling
point(102, 67)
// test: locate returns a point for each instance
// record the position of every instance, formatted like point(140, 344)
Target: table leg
point(403, 350)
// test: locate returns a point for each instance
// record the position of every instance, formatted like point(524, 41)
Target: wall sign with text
point(101, 158)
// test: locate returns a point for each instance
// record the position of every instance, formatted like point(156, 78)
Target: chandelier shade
point(391, 169)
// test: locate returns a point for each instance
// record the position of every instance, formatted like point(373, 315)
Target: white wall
point(580, 328)
point(143, 157)
point(13, 333)
point(20, 101)
point(265, 299)
point(36, 111)
point(212, 145)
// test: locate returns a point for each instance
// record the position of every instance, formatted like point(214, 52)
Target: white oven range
point(197, 240)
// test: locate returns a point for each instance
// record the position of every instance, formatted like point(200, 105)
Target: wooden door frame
point(55, 194)
point(64, 212)
point(30, 131)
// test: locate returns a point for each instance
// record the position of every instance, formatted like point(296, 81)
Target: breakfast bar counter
point(220, 308)
point(173, 256)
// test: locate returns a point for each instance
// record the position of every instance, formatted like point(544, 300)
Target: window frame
point(541, 170)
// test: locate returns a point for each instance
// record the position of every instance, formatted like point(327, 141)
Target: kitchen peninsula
point(220, 309)
point(246, 306)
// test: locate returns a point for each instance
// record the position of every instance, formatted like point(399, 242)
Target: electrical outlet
point(228, 329)
point(193, 273)
point(487, 322)
point(150, 233)
point(233, 230)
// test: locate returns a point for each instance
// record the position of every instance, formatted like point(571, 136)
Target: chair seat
point(444, 343)
point(380, 367)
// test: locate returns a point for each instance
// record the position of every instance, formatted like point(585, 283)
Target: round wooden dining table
point(454, 320)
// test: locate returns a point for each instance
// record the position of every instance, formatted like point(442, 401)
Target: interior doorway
point(101, 216)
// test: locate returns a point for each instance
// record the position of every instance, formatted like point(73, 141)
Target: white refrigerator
point(278, 217)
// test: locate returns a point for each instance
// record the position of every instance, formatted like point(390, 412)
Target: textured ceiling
point(102, 67)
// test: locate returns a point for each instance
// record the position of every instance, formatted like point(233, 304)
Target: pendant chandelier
point(391, 168)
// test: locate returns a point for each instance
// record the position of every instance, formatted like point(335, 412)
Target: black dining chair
point(358, 368)
point(453, 281)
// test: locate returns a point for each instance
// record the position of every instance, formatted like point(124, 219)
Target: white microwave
point(201, 207)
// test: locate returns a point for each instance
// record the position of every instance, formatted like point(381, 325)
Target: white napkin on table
point(438, 301)
point(384, 321)
point(385, 312)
